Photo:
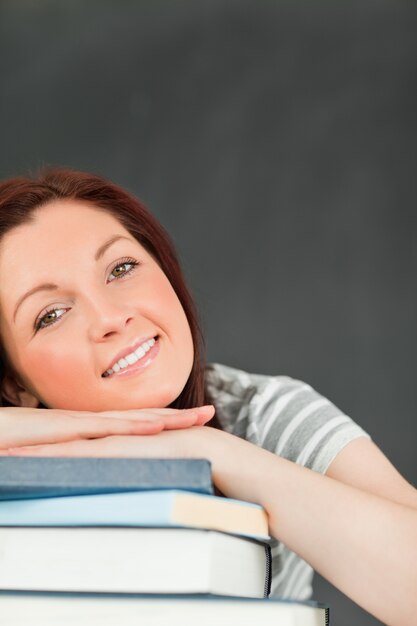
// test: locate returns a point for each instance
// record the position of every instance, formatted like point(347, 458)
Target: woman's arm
point(21, 426)
point(362, 464)
point(365, 544)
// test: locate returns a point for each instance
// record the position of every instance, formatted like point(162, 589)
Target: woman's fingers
point(163, 445)
point(201, 412)
point(179, 421)
point(26, 427)
point(206, 415)
point(96, 427)
point(82, 447)
point(186, 418)
point(171, 418)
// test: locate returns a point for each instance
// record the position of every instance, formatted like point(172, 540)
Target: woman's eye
point(122, 269)
point(49, 318)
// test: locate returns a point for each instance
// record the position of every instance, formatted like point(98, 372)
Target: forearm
point(365, 545)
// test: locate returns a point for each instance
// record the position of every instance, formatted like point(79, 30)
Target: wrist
point(239, 467)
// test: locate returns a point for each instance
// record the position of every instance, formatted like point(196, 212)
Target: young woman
point(100, 346)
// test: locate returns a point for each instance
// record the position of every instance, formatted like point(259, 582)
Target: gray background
point(276, 141)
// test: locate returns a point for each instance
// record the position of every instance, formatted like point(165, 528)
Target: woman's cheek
point(54, 377)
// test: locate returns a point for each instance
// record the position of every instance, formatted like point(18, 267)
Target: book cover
point(36, 477)
point(140, 508)
point(133, 560)
point(42, 609)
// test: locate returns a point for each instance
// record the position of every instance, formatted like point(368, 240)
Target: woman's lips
point(129, 349)
point(141, 364)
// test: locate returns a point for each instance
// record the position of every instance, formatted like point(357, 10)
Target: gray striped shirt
point(288, 417)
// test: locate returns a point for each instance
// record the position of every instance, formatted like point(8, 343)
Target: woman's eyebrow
point(51, 286)
point(43, 287)
point(102, 249)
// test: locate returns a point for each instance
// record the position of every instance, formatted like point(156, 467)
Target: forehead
point(73, 214)
point(61, 237)
point(61, 225)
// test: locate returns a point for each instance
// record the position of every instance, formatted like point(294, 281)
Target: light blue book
point(158, 508)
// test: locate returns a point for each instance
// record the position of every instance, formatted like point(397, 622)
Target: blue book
point(37, 477)
point(159, 508)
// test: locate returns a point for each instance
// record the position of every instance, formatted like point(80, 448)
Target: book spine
point(268, 570)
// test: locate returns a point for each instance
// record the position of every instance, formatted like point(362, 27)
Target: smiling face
point(78, 294)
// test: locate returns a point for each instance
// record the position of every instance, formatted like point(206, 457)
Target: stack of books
point(92, 541)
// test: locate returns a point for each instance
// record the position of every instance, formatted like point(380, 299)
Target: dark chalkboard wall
point(276, 140)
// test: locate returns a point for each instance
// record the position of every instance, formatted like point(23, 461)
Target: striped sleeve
point(299, 424)
point(281, 414)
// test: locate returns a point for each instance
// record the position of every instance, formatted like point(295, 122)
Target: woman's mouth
point(138, 359)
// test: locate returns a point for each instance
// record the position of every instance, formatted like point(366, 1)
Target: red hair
point(19, 197)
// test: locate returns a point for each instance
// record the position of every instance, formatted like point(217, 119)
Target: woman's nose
point(107, 317)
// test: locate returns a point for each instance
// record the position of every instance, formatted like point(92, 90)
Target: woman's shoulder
point(226, 383)
point(280, 413)
point(243, 399)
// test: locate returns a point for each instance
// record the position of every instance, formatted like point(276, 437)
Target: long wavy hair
point(20, 197)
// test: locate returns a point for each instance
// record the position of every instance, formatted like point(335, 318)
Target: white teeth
point(131, 358)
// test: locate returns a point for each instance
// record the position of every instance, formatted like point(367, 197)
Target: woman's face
point(78, 294)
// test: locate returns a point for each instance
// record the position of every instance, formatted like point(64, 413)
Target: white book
point(133, 560)
point(40, 609)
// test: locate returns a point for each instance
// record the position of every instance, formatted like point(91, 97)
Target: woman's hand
point(167, 444)
point(30, 427)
